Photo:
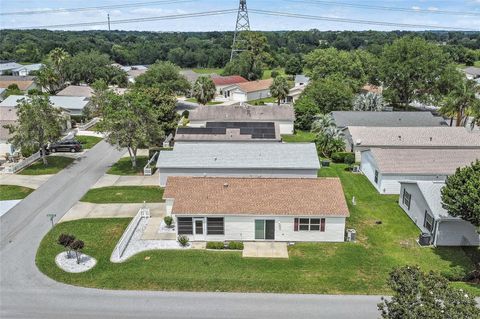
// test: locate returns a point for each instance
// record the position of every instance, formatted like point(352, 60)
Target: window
point(309, 224)
point(215, 226)
point(185, 225)
point(406, 198)
point(428, 222)
point(376, 176)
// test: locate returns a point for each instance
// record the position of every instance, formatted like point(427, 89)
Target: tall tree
point(165, 76)
point(460, 100)
point(52, 75)
point(329, 139)
point(294, 66)
point(39, 123)
point(204, 90)
point(279, 88)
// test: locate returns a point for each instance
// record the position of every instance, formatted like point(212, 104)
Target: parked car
point(65, 146)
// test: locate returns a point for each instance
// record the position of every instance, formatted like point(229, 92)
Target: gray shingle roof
point(390, 119)
point(472, 71)
point(218, 113)
point(422, 161)
point(66, 102)
point(414, 137)
point(241, 155)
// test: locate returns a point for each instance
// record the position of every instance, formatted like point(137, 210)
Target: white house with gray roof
point(239, 160)
point(73, 104)
point(387, 168)
point(422, 201)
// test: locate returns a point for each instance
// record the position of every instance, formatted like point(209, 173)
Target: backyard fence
point(122, 244)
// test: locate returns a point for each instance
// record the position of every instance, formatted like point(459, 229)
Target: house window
point(428, 221)
point(185, 225)
point(376, 176)
point(406, 198)
point(215, 226)
point(309, 224)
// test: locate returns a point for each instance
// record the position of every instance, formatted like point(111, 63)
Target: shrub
point(274, 74)
point(349, 159)
point(183, 240)
point(168, 220)
point(236, 245)
point(185, 114)
point(341, 157)
point(66, 241)
point(215, 245)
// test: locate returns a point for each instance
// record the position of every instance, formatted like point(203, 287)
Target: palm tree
point(329, 138)
point(58, 56)
point(368, 102)
point(280, 88)
point(48, 79)
point(322, 122)
point(460, 101)
point(204, 90)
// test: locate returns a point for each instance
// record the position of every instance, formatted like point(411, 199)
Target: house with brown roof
point(24, 83)
point(257, 209)
point(223, 82)
point(8, 116)
point(386, 169)
point(249, 91)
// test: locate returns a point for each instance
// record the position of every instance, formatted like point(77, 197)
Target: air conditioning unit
point(351, 235)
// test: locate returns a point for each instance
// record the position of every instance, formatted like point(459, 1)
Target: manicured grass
point(88, 141)
point(263, 101)
point(267, 74)
point(124, 166)
point(330, 268)
point(193, 100)
point(124, 194)
point(208, 71)
point(55, 165)
point(299, 136)
point(10, 192)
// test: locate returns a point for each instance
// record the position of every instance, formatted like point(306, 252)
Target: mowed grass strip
point(11, 192)
point(124, 194)
point(124, 166)
point(55, 165)
point(88, 141)
point(299, 137)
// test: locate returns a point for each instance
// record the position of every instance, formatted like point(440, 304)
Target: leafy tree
point(165, 105)
point(279, 88)
point(52, 75)
point(99, 98)
point(12, 89)
point(66, 241)
point(39, 123)
point(461, 194)
point(409, 69)
point(420, 295)
point(204, 90)
point(294, 66)
point(77, 247)
point(165, 76)
point(458, 102)
point(368, 102)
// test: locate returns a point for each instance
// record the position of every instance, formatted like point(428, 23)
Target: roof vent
point(358, 142)
point(399, 137)
point(215, 158)
point(431, 138)
point(225, 185)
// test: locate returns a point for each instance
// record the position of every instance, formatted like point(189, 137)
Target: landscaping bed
point(11, 192)
point(124, 166)
point(55, 165)
point(124, 194)
point(88, 141)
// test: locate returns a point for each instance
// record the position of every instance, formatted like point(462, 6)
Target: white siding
point(368, 168)
point(390, 184)
point(258, 95)
point(417, 206)
point(285, 128)
point(238, 96)
point(239, 172)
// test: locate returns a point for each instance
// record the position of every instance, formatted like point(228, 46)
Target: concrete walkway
point(30, 181)
point(89, 210)
point(117, 180)
point(265, 250)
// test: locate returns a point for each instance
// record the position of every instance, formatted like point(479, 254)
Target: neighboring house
point(239, 159)
point(8, 115)
point(386, 168)
point(77, 90)
point(294, 93)
point(301, 80)
point(360, 138)
point(472, 72)
point(283, 115)
point(73, 104)
point(24, 83)
point(6, 67)
point(257, 209)
point(370, 88)
point(132, 71)
point(386, 119)
point(230, 131)
point(190, 75)
point(422, 201)
point(223, 82)
point(25, 70)
point(249, 91)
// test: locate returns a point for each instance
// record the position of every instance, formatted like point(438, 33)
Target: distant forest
point(212, 49)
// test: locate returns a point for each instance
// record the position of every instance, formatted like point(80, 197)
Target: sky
point(331, 9)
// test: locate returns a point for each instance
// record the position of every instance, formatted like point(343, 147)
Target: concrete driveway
point(30, 181)
point(117, 180)
point(265, 250)
point(89, 210)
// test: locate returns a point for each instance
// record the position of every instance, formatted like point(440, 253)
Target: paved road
point(27, 293)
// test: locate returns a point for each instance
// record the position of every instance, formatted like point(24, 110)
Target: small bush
point(274, 74)
point(168, 220)
point(215, 245)
point(236, 245)
point(349, 159)
point(183, 240)
point(185, 114)
point(341, 157)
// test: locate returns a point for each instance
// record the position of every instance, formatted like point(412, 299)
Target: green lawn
point(124, 166)
point(55, 165)
point(9, 192)
point(267, 74)
point(193, 100)
point(218, 71)
point(88, 141)
point(124, 194)
point(329, 268)
point(263, 101)
point(299, 136)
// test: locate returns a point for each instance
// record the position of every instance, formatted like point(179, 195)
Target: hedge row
point(235, 245)
point(343, 157)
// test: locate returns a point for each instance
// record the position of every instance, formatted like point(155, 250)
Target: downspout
point(437, 224)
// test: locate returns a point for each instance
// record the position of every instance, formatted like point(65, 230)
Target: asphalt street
point(26, 293)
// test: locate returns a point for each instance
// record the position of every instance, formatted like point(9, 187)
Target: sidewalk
point(89, 210)
point(120, 180)
point(30, 181)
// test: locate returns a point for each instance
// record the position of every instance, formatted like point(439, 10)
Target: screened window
point(406, 198)
point(215, 226)
point(309, 224)
point(428, 222)
point(185, 225)
point(376, 176)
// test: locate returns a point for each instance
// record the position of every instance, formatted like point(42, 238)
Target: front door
point(265, 229)
point(198, 229)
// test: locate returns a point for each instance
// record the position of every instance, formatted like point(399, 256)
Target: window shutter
point(322, 224)
point(295, 224)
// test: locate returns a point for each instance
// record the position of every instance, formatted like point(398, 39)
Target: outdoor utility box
point(424, 239)
point(351, 235)
point(325, 163)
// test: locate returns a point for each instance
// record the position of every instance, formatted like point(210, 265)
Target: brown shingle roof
point(254, 86)
point(228, 80)
point(8, 115)
point(76, 90)
point(22, 85)
point(256, 196)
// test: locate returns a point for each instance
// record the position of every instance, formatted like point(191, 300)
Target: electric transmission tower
point(243, 24)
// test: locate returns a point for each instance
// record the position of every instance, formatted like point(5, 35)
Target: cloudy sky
point(330, 9)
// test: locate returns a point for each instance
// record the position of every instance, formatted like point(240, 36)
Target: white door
point(199, 229)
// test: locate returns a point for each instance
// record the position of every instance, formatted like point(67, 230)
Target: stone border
point(70, 264)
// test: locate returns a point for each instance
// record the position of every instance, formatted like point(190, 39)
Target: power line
point(384, 8)
point(113, 6)
point(355, 21)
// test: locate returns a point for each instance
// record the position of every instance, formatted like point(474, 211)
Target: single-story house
point(257, 209)
point(294, 93)
point(6, 67)
point(190, 75)
point(8, 116)
point(360, 138)
point(387, 168)
point(230, 131)
point(25, 70)
point(283, 115)
point(239, 159)
point(24, 83)
point(73, 104)
point(77, 90)
point(133, 71)
point(422, 201)
point(249, 91)
point(222, 82)
point(301, 80)
point(472, 72)
point(386, 119)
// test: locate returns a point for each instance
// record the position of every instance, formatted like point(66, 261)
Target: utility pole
point(108, 18)
point(243, 24)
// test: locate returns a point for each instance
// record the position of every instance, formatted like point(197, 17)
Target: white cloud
point(432, 8)
point(416, 8)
